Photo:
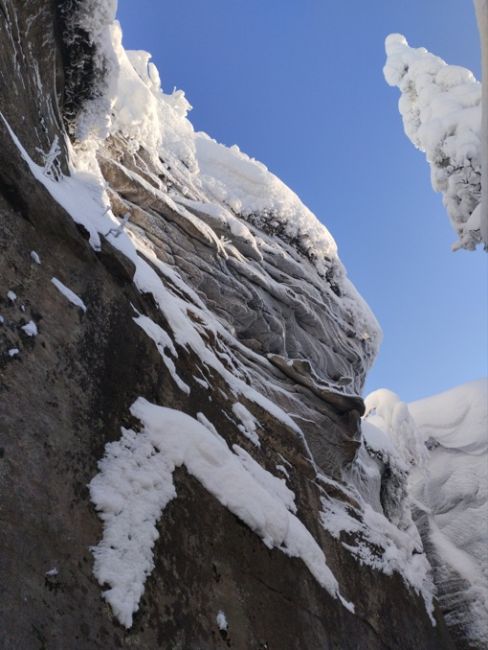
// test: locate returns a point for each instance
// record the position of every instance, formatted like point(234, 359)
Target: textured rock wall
point(69, 390)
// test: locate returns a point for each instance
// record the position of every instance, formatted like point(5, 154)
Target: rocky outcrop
point(453, 521)
point(205, 309)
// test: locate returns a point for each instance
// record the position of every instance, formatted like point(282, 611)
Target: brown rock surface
point(69, 390)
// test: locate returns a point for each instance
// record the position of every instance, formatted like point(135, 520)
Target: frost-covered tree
point(441, 109)
point(482, 16)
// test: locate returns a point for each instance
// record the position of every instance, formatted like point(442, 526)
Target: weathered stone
point(68, 392)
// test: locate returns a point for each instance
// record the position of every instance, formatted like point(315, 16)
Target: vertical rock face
point(206, 343)
point(32, 73)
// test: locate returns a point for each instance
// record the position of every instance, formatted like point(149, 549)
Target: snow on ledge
point(67, 293)
point(135, 483)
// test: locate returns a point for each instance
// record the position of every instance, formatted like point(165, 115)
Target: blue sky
point(298, 85)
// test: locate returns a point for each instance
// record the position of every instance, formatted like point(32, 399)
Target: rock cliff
point(181, 361)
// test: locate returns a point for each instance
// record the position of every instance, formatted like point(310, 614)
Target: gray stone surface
point(68, 392)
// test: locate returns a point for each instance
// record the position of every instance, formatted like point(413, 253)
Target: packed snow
point(283, 470)
point(67, 293)
point(165, 346)
point(52, 573)
point(248, 424)
point(135, 483)
point(221, 621)
point(272, 484)
point(386, 411)
point(441, 109)
point(30, 328)
point(457, 418)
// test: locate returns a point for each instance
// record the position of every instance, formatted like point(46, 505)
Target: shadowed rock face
point(69, 390)
point(32, 73)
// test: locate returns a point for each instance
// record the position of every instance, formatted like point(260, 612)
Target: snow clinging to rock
point(135, 484)
point(442, 448)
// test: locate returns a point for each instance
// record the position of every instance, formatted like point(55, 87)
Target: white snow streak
point(67, 293)
point(135, 484)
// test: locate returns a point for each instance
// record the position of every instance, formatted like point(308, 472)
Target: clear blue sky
point(298, 85)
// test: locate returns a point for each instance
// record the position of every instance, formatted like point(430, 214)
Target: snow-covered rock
point(437, 450)
point(200, 368)
point(453, 491)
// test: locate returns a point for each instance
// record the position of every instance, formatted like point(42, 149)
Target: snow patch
point(272, 484)
point(67, 293)
point(283, 470)
point(135, 484)
point(386, 411)
point(248, 424)
point(30, 329)
point(163, 342)
point(457, 418)
point(221, 621)
point(380, 544)
point(52, 573)
point(207, 424)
